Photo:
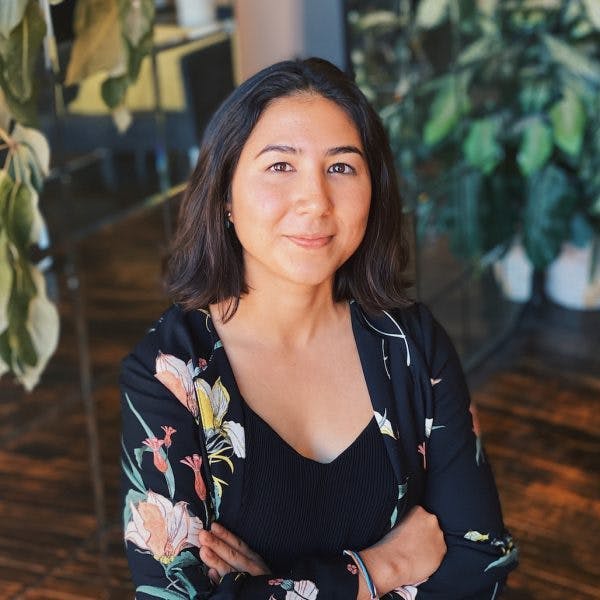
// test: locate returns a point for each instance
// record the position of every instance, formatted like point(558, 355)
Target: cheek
point(258, 202)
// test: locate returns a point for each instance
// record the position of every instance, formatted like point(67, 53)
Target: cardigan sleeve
point(460, 488)
point(164, 493)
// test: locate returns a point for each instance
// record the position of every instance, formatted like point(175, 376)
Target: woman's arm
point(460, 488)
point(409, 553)
point(166, 500)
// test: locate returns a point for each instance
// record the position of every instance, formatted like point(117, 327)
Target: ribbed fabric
point(293, 506)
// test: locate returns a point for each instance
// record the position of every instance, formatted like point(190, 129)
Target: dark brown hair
point(206, 265)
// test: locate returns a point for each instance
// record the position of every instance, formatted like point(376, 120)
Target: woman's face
point(301, 192)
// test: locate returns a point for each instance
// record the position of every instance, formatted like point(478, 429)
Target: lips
point(311, 241)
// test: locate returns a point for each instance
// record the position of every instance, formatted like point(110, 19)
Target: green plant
point(112, 36)
point(510, 128)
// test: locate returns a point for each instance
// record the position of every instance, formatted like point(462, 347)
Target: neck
point(290, 317)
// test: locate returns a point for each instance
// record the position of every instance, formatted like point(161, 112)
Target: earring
point(228, 219)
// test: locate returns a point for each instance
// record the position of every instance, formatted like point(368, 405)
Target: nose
point(312, 195)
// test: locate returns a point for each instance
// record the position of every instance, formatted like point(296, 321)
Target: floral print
point(184, 449)
point(384, 424)
point(159, 462)
point(162, 528)
point(177, 377)
point(297, 590)
point(195, 463)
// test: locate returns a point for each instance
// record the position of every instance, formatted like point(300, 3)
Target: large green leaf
point(478, 50)
point(549, 208)
point(6, 185)
point(42, 325)
point(32, 158)
point(481, 147)
point(20, 217)
point(431, 13)
point(572, 60)
point(592, 8)
point(98, 43)
point(568, 121)
point(22, 348)
point(582, 231)
point(535, 95)
point(114, 89)
point(11, 12)
point(536, 146)
point(137, 19)
point(6, 280)
point(20, 52)
point(449, 105)
point(465, 234)
point(5, 354)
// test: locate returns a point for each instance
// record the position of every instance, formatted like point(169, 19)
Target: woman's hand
point(222, 552)
point(408, 554)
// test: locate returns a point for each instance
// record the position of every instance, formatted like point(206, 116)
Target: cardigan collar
point(392, 373)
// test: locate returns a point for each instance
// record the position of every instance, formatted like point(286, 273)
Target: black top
point(329, 507)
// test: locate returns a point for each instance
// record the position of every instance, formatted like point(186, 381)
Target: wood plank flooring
point(539, 401)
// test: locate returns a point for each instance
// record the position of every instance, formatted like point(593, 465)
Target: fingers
point(233, 541)
point(224, 552)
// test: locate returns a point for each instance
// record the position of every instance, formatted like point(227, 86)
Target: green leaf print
point(133, 497)
point(131, 471)
point(183, 560)
point(161, 593)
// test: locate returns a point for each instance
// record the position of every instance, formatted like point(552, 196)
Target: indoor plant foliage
point(29, 322)
point(511, 125)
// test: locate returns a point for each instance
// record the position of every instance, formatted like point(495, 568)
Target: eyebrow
point(331, 152)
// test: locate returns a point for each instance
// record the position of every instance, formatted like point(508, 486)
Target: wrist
point(386, 574)
point(366, 581)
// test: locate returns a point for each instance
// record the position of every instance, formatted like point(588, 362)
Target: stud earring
point(228, 219)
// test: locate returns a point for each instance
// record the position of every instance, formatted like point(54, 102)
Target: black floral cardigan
point(183, 456)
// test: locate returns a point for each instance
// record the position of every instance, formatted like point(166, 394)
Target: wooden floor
point(539, 400)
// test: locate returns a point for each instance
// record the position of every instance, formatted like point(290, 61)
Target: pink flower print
point(421, 449)
point(352, 569)
point(162, 528)
point(195, 463)
point(169, 431)
point(159, 462)
point(176, 376)
point(202, 363)
point(475, 417)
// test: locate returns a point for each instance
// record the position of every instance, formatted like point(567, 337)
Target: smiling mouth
point(311, 241)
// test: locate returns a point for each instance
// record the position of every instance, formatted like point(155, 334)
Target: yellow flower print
point(213, 403)
point(475, 536)
point(384, 424)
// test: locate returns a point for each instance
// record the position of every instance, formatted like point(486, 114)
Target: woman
point(294, 427)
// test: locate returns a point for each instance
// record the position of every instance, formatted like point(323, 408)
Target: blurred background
point(493, 112)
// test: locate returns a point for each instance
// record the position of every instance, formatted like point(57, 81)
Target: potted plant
point(112, 36)
point(510, 126)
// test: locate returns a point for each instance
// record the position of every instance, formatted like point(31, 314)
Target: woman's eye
point(281, 167)
point(342, 169)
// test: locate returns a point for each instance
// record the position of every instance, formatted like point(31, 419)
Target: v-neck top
point(293, 506)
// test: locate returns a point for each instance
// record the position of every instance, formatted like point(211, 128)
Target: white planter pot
point(195, 13)
point(514, 273)
point(568, 280)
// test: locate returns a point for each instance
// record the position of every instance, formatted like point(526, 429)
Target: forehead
point(305, 117)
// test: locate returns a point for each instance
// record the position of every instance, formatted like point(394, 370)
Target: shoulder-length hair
point(205, 264)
